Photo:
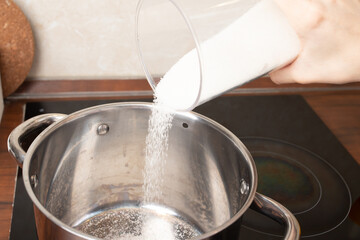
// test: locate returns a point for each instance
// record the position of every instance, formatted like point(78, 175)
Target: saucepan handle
point(279, 213)
point(21, 137)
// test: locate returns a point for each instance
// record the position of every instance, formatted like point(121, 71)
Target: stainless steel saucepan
point(84, 174)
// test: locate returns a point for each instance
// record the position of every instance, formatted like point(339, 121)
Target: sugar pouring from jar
point(193, 51)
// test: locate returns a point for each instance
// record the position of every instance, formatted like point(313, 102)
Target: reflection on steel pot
point(84, 176)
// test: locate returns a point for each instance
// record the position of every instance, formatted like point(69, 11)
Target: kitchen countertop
point(337, 106)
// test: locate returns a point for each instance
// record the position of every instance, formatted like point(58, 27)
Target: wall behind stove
point(95, 39)
point(83, 39)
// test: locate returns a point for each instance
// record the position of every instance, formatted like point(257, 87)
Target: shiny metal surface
point(137, 222)
point(279, 213)
point(90, 164)
point(29, 129)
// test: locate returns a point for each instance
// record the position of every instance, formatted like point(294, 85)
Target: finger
point(282, 76)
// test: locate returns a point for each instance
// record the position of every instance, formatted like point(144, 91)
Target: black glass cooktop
point(300, 163)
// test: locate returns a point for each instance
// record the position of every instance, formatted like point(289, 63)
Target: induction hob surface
point(300, 163)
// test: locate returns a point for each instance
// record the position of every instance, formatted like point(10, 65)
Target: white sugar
point(156, 153)
point(251, 46)
point(160, 122)
point(135, 223)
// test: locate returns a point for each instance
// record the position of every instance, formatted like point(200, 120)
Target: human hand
point(329, 31)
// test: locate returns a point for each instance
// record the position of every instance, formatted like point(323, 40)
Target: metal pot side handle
point(22, 136)
point(279, 213)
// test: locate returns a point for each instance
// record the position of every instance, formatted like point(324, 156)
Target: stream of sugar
point(160, 122)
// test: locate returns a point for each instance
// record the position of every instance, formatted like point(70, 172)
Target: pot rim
point(146, 105)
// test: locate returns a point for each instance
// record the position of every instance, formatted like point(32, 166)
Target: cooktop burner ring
point(275, 154)
point(315, 201)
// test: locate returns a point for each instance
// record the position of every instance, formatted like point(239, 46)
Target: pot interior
point(94, 182)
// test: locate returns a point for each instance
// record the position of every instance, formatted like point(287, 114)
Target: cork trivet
point(16, 46)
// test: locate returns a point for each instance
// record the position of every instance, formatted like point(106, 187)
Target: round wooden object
point(16, 46)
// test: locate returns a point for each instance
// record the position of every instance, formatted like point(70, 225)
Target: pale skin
point(329, 31)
